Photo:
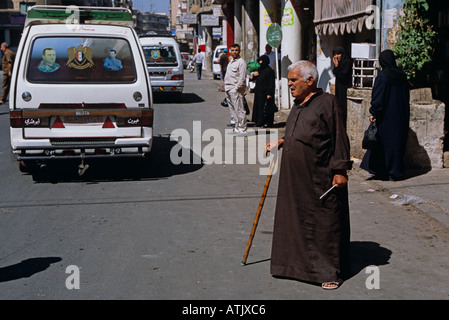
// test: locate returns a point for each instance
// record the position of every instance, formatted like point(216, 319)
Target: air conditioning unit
point(363, 51)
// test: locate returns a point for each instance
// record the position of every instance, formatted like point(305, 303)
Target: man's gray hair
point(306, 69)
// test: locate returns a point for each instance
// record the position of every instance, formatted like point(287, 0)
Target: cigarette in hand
point(324, 194)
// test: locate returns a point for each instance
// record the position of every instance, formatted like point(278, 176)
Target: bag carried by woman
point(370, 136)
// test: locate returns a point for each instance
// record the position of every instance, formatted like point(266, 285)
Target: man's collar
point(317, 93)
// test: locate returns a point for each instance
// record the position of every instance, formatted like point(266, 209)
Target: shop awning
point(340, 16)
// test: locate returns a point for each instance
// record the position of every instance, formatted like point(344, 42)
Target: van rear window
point(80, 60)
point(160, 56)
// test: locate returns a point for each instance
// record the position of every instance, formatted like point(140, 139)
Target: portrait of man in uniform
point(111, 63)
point(48, 62)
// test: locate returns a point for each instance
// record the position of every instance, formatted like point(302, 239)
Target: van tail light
point(147, 118)
point(15, 119)
point(178, 77)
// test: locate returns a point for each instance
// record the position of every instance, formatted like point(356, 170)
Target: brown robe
point(311, 236)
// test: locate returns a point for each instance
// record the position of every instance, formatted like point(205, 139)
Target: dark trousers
point(6, 85)
point(199, 69)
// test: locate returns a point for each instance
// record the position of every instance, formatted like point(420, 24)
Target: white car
point(215, 65)
point(164, 63)
point(79, 90)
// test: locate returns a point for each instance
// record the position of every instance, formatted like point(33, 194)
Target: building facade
point(150, 22)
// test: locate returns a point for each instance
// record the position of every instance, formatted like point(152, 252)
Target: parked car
point(215, 65)
point(164, 63)
point(79, 91)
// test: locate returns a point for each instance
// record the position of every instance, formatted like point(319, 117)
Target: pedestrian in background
point(270, 53)
point(390, 109)
point(223, 61)
point(7, 64)
point(343, 77)
point(235, 88)
point(311, 234)
point(264, 106)
point(199, 61)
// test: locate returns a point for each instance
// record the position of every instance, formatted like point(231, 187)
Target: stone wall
point(426, 136)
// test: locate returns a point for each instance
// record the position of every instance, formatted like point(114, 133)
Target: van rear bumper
point(166, 89)
point(167, 86)
point(82, 150)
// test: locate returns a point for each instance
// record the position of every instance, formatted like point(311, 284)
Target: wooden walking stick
point(259, 211)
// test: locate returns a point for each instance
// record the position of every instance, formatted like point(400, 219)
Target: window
point(80, 60)
point(160, 56)
point(218, 52)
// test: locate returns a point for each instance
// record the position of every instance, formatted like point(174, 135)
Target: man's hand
point(273, 144)
point(340, 180)
point(336, 60)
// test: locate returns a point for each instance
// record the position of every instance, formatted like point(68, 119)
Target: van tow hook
point(82, 167)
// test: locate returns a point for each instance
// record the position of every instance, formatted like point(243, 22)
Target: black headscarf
point(265, 61)
point(395, 74)
point(339, 50)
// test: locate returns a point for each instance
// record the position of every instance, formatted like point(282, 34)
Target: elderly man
point(235, 88)
point(7, 63)
point(312, 231)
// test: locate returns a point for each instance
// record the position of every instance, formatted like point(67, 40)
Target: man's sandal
point(330, 285)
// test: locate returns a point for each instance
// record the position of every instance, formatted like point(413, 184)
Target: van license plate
point(83, 120)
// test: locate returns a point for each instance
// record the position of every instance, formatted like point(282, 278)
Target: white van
point(215, 64)
point(80, 88)
point(164, 63)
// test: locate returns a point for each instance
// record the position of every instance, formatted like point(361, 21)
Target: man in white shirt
point(270, 53)
point(199, 60)
point(235, 88)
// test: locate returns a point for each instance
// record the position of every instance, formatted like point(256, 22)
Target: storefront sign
point(209, 20)
point(188, 18)
point(274, 35)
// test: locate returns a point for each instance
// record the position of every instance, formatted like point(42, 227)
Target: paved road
point(160, 231)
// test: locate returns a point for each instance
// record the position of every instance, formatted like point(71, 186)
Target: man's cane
point(259, 211)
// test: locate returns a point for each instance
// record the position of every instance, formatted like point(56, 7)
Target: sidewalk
point(427, 192)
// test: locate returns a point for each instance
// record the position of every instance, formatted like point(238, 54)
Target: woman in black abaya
point(390, 109)
point(264, 107)
point(343, 77)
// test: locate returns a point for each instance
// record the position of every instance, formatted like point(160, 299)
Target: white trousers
point(238, 113)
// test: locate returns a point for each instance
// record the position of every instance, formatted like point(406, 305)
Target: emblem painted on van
point(80, 58)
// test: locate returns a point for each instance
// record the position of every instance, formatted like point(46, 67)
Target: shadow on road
point(157, 166)
point(26, 268)
point(363, 254)
point(367, 253)
point(184, 98)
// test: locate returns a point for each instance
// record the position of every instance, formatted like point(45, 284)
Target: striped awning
point(342, 16)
